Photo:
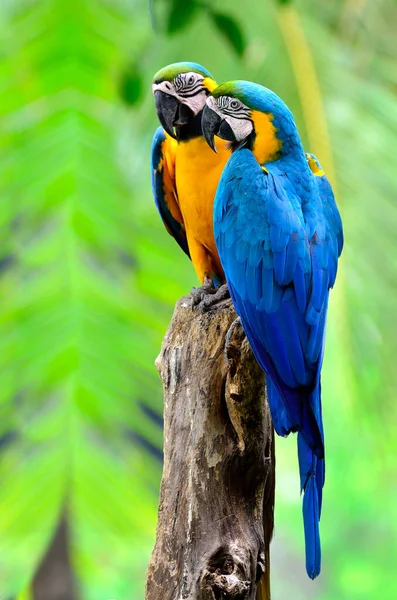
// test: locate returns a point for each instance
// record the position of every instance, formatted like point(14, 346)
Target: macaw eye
point(234, 104)
point(191, 80)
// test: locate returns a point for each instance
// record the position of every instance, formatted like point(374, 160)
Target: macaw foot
point(231, 344)
point(206, 296)
point(198, 294)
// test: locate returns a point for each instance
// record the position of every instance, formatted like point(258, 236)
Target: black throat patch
point(192, 128)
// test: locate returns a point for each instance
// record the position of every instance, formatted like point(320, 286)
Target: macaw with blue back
point(279, 236)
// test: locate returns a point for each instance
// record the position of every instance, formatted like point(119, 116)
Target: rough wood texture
point(217, 492)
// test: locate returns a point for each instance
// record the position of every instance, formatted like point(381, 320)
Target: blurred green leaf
point(69, 305)
point(230, 29)
point(181, 13)
point(131, 85)
point(25, 595)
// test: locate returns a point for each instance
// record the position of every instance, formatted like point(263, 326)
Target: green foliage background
point(89, 277)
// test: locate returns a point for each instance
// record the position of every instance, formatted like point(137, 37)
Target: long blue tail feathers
point(311, 468)
point(312, 474)
point(311, 471)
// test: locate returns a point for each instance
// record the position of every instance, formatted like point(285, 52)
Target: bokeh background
point(89, 278)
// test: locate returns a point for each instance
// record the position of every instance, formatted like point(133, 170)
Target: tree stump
point(217, 492)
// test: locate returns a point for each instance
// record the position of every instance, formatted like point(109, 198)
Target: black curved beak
point(184, 115)
point(167, 111)
point(212, 124)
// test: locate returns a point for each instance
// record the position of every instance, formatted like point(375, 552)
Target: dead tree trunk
point(54, 578)
point(217, 492)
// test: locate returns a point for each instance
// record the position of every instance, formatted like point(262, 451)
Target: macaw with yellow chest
point(279, 236)
point(185, 171)
point(185, 176)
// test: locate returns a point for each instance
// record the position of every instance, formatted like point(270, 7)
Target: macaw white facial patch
point(187, 88)
point(235, 113)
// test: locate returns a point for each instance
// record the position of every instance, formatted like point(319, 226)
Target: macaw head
point(180, 92)
point(250, 115)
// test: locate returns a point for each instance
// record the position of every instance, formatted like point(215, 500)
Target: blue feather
point(281, 423)
point(279, 235)
point(266, 293)
point(173, 226)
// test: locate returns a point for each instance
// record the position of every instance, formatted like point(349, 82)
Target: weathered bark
point(217, 492)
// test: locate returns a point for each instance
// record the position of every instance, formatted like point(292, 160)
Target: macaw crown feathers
point(169, 72)
point(255, 96)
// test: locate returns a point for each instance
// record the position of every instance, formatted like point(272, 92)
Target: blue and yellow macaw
point(279, 235)
point(185, 176)
point(185, 172)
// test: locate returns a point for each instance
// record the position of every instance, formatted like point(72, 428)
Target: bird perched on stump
point(185, 172)
point(279, 234)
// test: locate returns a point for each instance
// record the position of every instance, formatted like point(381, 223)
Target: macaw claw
point(207, 296)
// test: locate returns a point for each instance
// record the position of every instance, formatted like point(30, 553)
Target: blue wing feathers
point(300, 287)
point(281, 423)
point(269, 296)
point(173, 226)
point(279, 238)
